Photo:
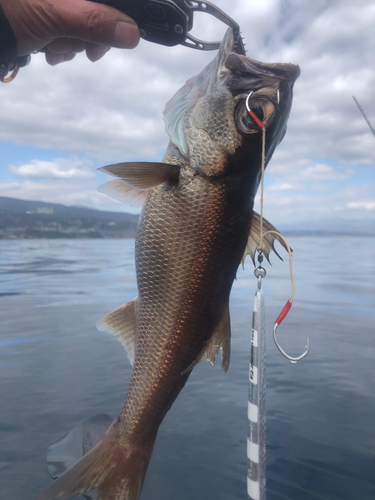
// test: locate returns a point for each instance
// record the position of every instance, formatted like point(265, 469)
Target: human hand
point(67, 27)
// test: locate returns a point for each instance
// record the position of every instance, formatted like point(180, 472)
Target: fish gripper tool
point(168, 22)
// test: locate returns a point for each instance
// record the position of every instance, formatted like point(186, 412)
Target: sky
point(59, 124)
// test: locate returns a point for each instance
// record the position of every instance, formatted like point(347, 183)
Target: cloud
point(282, 186)
point(282, 207)
point(116, 117)
point(322, 172)
point(113, 108)
point(363, 205)
point(60, 168)
point(111, 111)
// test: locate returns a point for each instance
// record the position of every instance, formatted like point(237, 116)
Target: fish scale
point(182, 284)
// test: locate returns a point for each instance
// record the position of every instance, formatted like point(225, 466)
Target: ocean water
point(57, 370)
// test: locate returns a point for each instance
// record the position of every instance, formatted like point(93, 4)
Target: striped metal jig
point(256, 440)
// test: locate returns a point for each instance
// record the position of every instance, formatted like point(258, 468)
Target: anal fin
point(219, 340)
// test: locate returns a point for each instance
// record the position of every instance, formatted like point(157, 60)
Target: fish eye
point(263, 108)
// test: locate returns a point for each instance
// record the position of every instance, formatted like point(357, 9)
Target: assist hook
point(281, 316)
point(259, 270)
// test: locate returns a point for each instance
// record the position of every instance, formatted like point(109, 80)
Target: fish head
point(208, 121)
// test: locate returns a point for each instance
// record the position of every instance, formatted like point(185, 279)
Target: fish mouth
point(231, 58)
point(229, 44)
point(242, 64)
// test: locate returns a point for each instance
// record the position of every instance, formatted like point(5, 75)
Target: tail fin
point(116, 470)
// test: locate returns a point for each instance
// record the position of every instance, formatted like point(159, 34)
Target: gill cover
point(195, 88)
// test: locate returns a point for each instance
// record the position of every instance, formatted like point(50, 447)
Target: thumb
point(97, 23)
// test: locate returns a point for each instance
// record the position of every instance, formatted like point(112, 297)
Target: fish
point(197, 224)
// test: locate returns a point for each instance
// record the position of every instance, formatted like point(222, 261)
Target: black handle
point(165, 22)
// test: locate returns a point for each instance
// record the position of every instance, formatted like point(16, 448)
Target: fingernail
point(126, 35)
point(56, 59)
point(97, 52)
point(69, 57)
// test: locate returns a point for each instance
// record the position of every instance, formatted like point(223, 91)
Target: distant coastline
point(24, 220)
point(327, 234)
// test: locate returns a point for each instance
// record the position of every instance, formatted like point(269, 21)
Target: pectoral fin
point(220, 339)
point(135, 179)
point(268, 241)
point(143, 175)
point(122, 322)
point(121, 191)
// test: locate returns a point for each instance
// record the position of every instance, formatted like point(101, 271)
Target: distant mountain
point(23, 219)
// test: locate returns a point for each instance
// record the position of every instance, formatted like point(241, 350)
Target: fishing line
point(262, 127)
point(262, 235)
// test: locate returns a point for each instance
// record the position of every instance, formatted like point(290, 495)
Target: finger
point(66, 45)
point(95, 52)
point(97, 23)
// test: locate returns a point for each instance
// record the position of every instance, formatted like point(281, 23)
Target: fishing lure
point(256, 412)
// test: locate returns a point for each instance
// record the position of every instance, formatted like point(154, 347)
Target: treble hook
point(282, 315)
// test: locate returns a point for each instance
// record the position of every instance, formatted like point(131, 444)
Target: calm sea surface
point(57, 370)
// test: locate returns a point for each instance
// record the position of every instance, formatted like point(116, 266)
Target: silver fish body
point(194, 229)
